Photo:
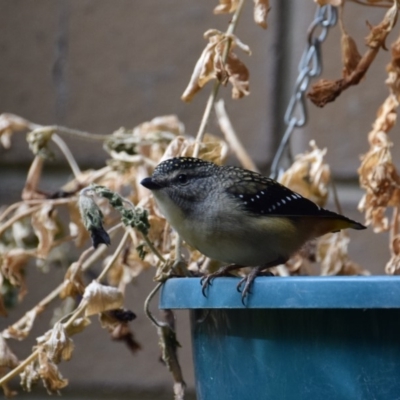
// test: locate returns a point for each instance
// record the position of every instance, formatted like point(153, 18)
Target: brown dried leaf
point(78, 326)
point(393, 69)
point(50, 375)
point(127, 266)
point(379, 33)
point(325, 91)
point(378, 174)
point(309, 175)
point(12, 265)
point(211, 66)
point(333, 255)
point(45, 227)
point(226, 6)
point(9, 124)
point(57, 345)
point(101, 298)
point(76, 227)
point(8, 360)
point(73, 282)
point(261, 9)
point(350, 54)
point(21, 329)
point(238, 75)
point(30, 376)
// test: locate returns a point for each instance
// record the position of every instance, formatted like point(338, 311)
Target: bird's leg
point(257, 271)
point(206, 280)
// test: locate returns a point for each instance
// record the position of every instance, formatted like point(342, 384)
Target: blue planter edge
point(300, 292)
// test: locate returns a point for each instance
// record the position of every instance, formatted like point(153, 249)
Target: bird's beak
point(150, 184)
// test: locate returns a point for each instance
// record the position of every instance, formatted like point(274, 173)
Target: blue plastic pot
point(297, 338)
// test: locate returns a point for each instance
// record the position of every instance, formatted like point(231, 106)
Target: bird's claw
point(207, 280)
point(248, 282)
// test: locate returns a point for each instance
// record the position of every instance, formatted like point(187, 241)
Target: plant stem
point(152, 248)
point(19, 368)
point(67, 154)
point(217, 84)
point(231, 137)
point(147, 304)
point(114, 257)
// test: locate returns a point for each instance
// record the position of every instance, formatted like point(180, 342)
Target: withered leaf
point(226, 6)
point(21, 329)
point(73, 282)
point(56, 343)
point(261, 9)
point(100, 298)
point(211, 65)
point(350, 54)
point(309, 175)
point(45, 227)
point(50, 375)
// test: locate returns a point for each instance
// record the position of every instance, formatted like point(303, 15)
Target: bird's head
point(182, 181)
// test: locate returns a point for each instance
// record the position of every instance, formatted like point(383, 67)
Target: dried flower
point(100, 298)
point(211, 65)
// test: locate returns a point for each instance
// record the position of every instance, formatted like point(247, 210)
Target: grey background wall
point(97, 65)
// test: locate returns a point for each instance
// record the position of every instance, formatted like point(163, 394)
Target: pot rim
point(296, 292)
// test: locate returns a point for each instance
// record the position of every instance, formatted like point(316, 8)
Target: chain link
point(310, 66)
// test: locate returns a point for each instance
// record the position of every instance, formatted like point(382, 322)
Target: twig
point(114, 257)
point(67, 154)
point(147, 304)
point(231, 137)
point(152, 248)
point(17, 217)
point(14, 372)
point(217, 84)
point(34, 202)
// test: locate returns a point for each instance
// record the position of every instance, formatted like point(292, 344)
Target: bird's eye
point(182, 179)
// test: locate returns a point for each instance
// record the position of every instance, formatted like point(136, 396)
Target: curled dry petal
point(57, 345)
point(333, 255)
point(45, 227)
point(393, 265)
point(309, 175)
point(73, 282)
point(49, 373)
point(8, 360)
point(76, 227)
point(12, 265)
point(261, 9)
point(378, 174)
point(211, 65)
point(379, 33)
point(101, 298)
point(9, 124)
point(350, 54)
point(30, 376)
point(226, 6)
point(21, 329)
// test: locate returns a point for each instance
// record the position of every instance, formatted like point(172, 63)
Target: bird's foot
point(206, 280)
point(249, 279)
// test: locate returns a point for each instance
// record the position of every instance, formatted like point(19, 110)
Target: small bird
point(236, 216)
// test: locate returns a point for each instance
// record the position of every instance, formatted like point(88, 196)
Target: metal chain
point(310, 66)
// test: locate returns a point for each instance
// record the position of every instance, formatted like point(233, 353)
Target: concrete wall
point(97, 65)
